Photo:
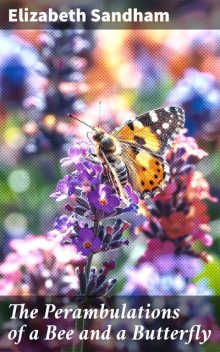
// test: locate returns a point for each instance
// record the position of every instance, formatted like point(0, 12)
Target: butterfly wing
point(147, 173)
point(144, 142)
point(153, 131)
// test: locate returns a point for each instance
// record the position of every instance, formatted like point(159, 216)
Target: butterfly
point(135, 152)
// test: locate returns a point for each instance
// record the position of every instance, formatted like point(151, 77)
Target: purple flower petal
point(65, 188)
point(75, 154)
point(87, 242)
point(103, 198)
point(131, 194)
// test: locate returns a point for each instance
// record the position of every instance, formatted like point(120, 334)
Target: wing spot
point(153, 116)
point(158, 170)
point(142, 183)
point(165, 125)
point(139, 140)
point(144, 169)
point(138, 124)
point(155, 176)
point(135, 150)
point(151, 182)
point(157, 163)
point(131, 126)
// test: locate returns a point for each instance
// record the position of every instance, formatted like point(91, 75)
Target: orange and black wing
point(147, 173)
point(153, 131)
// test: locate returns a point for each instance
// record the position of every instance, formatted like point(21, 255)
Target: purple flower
point(61, 223)
point(88, 175)
point(65, 188)
point(39, 266)
point(102, 198)
point(188, 266)
point(198, 93)
point(165, 263)
point(131, 194)
point(140, 279)
point(64, 226)
point(90, 200)
point(87, 242)
point(75, 154)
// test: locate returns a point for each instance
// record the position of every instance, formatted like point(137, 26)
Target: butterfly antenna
point(75, 118)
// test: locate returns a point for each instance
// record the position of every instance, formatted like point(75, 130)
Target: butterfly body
point(135, 152)
point(109, 151)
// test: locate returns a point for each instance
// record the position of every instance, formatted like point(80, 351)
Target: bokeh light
point(19, 180)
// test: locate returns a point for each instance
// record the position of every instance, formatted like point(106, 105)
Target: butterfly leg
point(92, 158)
point(108, 175)
point(113, 178)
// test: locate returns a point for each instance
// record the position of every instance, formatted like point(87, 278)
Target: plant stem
point(88, 266)
point(80, 323)
point(80, 327)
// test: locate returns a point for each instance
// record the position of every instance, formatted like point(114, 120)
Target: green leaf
point(210, 273)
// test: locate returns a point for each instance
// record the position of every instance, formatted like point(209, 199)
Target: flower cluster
point(94, 283)
point(38, 266)
point(179, 213)
point(35, 269)
point(91, 222)
point(64, 57)
point(18, 59)
point(192, 310)
point(198, 93)
point(160, 271)
point(50, 134)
